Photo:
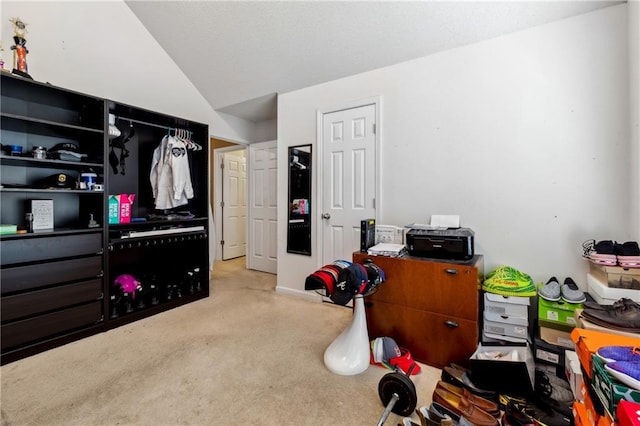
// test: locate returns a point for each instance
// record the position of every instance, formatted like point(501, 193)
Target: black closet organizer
point(57, 286)
point(168, 250)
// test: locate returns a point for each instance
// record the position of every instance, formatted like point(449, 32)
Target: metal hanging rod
point(133, 120)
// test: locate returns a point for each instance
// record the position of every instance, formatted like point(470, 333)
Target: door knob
point(326, 216)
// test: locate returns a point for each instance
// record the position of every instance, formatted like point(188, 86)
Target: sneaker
point(628, 254)
point(601, 253)
point(625, 371)
point(553, 387)
point(618, 353)
point(551, 290)
point(571, 293)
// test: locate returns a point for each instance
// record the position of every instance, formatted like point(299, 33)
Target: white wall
point(264, 131)
point(102, 49)
point(634, 110)
point(526, 136)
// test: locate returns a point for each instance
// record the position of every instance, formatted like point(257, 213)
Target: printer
point(451, 243)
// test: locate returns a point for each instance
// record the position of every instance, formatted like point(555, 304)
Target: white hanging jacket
point(170, 174)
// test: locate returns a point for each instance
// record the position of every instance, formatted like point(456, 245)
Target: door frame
point(319, 169)
point(217, 194)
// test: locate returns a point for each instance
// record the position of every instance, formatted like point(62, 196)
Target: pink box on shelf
point(125, 207)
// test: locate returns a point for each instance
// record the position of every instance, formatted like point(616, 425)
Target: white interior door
point(348, 179)
point(234, 207)
point(263, 249)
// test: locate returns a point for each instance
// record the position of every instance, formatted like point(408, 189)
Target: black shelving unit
point(52, 282)
point(58, 286)
point(168, 253)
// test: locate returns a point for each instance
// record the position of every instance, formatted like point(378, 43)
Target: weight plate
point(401, 385)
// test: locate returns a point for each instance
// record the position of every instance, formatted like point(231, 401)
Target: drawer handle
point(451, 324)
point(451, 271)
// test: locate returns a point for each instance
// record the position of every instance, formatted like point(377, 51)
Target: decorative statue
point(19, 49)
point(1, 59)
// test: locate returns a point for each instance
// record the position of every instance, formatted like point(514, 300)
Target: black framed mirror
point(299, 224)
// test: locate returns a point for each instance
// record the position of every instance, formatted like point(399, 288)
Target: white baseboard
point(308, 295)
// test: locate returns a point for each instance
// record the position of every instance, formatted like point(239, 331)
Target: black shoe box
point(549, 354)
point(511, 377)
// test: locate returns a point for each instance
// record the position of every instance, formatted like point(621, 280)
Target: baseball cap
point(385, 352)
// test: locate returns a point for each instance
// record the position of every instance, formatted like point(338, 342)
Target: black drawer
point(35, 302)
point(44, 274)
point(29, 249)
point(22, 332)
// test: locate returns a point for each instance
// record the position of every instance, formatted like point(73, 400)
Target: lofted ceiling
point(241, 54)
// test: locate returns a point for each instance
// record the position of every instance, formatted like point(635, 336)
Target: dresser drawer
point(35, 302)
point(434, 339)
point(34, 329)
point(45, 274)
point(31, 249)
point(445, 288)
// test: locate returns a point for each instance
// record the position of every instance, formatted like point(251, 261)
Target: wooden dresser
point(428, 306)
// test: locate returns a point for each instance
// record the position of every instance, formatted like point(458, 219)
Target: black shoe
point(553, 387)
point(630, 248)
point(539, 411)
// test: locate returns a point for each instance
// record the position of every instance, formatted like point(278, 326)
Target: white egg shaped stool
point(348, 354)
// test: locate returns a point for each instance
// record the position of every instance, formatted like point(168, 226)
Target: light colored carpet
point(245, 355)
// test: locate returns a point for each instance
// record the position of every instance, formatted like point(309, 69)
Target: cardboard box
point(556, 337)
point(507, 376)
point(616, 276)
point(555, 325)
point(605, 295)
point(114, 209)
point(628, 413)
point(560, 311)
point(498, 339)
point(608, 389)
point(580, 414)
point(605, 420)
point(589, 341)
point(506, 325)
point(548, 353)
point(593, 413)
point(125, 207)
point(583, 322)
point(506, 305)
point(574, 374)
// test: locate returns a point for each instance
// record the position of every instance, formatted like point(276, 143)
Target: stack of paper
point(387, 249)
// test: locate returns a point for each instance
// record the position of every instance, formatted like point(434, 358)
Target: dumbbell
point(397, 393)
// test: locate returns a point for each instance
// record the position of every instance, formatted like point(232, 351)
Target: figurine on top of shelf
point(1, 57)
point(20, 48)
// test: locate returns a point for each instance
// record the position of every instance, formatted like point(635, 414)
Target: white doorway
point(349, 143)
point(230, 202)
point(263, 207)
